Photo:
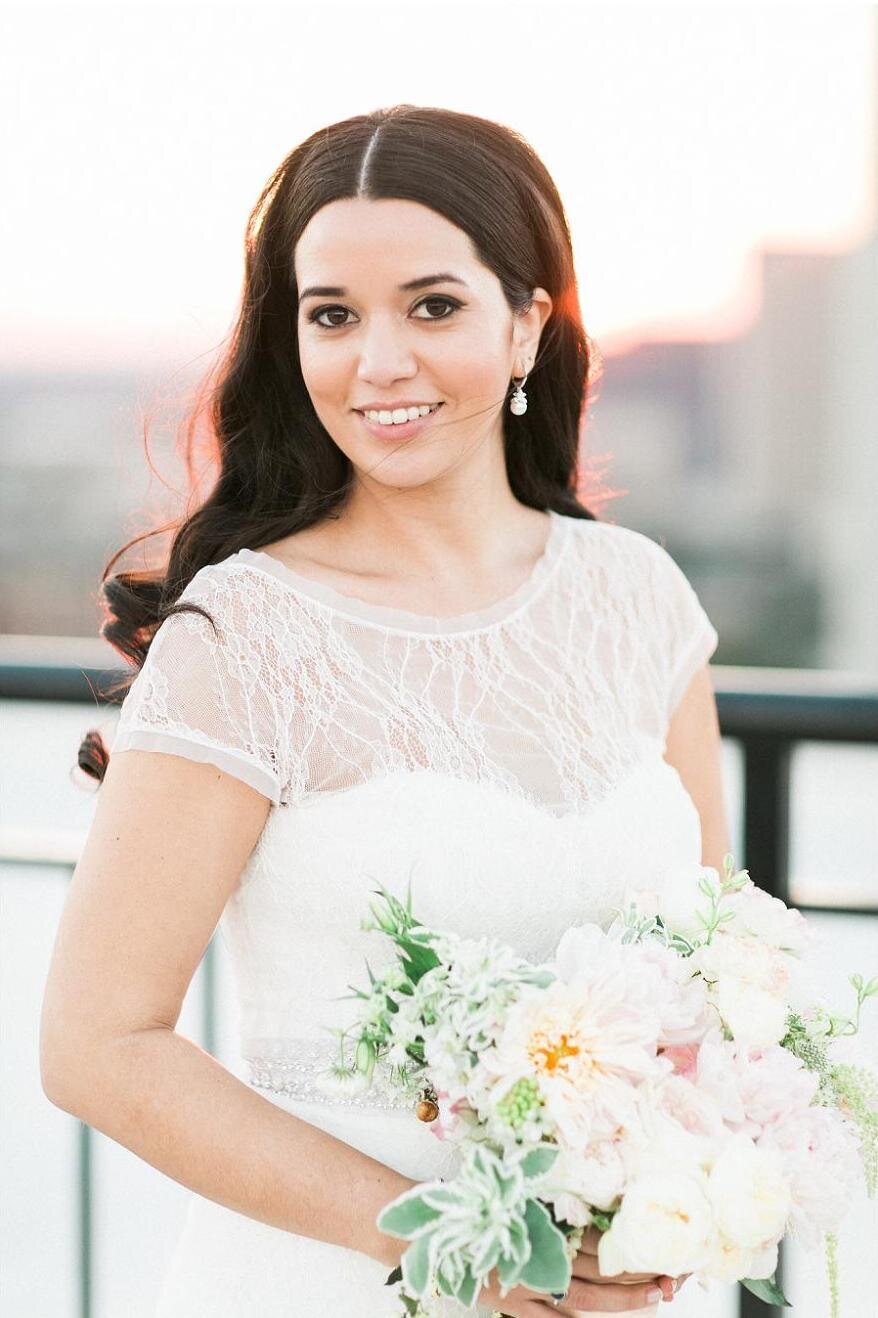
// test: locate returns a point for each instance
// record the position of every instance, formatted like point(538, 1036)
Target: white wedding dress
point(508, 762)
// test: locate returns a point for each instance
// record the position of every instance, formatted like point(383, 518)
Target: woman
point(390, 645)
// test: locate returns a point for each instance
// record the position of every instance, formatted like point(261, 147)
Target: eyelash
point(435, 297)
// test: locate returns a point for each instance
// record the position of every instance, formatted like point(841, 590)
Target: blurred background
point(719, 169)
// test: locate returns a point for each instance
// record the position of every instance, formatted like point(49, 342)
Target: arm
point(694, 749)
point(166, 848)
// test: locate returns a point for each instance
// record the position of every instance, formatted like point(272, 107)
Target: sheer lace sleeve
point(208, 695)
point(685, 633)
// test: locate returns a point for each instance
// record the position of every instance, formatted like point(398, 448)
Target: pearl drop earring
point(518, 401)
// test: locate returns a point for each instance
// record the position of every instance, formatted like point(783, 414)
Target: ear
point(528, 328)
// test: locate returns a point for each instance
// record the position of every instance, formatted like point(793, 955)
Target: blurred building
point(753, 460)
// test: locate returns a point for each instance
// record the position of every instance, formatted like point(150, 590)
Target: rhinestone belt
point(299, 1068)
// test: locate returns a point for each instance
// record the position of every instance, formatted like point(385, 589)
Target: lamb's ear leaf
point(416, 1265)
point(539, 1160)
point(407, 1216)
point(548, 1268)
point(767, 1289)
point(466, 1291)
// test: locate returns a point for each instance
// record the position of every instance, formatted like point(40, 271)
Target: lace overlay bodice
point(508, 762)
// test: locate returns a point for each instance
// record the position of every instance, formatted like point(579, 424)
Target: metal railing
point(768, 712)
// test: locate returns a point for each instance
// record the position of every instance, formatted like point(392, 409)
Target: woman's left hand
point(586, 1267)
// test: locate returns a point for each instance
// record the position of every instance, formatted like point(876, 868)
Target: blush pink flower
point(820, 1152)
point(773, 1084)
point(683, 1058)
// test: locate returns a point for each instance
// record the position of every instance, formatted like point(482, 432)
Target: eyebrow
point(425, 281)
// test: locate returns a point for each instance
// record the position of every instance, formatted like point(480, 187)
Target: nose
point(385, 353)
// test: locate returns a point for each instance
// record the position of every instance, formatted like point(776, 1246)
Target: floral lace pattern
point(552, 700)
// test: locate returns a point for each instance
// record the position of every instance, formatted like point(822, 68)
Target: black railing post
point(766, 855)
point(85, 1218)
point(767, 812)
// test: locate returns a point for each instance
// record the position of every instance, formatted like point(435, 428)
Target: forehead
point(351, 237)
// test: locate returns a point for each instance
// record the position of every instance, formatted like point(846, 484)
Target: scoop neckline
point(393, 619)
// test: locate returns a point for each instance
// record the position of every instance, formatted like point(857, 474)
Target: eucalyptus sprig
point(843, 1025)
point(733, 880)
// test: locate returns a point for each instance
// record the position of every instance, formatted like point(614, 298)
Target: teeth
point(400, 414)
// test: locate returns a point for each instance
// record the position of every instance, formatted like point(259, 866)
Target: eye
point(449, 302)
point(314, 316)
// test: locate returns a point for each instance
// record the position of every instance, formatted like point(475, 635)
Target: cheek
point(472, 369)
point(321, 370)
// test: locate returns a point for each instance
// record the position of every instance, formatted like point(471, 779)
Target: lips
point(402, 430)
point(394, 407)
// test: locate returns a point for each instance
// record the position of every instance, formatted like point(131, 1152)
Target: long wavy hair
point(277, 468)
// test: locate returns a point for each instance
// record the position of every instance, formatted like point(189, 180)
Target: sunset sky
point(682, 140)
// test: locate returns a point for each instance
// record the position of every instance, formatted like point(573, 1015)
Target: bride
point(390, 646)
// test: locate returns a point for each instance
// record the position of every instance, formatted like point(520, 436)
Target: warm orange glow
point(684, 143)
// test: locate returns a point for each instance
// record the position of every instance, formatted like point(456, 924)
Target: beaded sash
point(300, 1069)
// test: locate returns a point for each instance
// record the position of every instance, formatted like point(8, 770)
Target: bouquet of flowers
point(668, 1080)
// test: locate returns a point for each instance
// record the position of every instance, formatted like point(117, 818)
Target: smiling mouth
point(376, 412)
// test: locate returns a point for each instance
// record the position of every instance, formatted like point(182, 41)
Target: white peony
point(717, 1077)
point(728, 1262)
point(576, 1182)
point(660, 983)
point(757, 914)
point(774, 1084)
point(583, 1045)
point(672, 989)
point(750, 986)
point(820, 1153)
point(690, 1107)
point(750, 1194)
point(665, 1225)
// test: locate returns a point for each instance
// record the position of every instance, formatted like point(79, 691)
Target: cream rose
point(665, 1225)
point(750, 1195)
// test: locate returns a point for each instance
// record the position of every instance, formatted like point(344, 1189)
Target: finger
point(670, 1285)
point(610, 1298)
point(590, 1240)
point(588, 1268)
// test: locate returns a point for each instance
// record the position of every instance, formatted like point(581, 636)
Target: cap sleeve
point(691, 638)
point(686, 636)
point(207, 695)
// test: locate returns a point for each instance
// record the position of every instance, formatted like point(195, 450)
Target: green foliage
point(539, 1161)
point(732, 881)
point(851, 1089)
point(484, 1219)
point(412, 939)
point(408, 1216)
point(856, 1095)
point(831, 1246)
point(767, 1289)
point(548, 1267)
point(522, 1099)
point(416, 1265)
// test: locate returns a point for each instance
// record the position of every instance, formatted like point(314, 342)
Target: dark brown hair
point(278, 470)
